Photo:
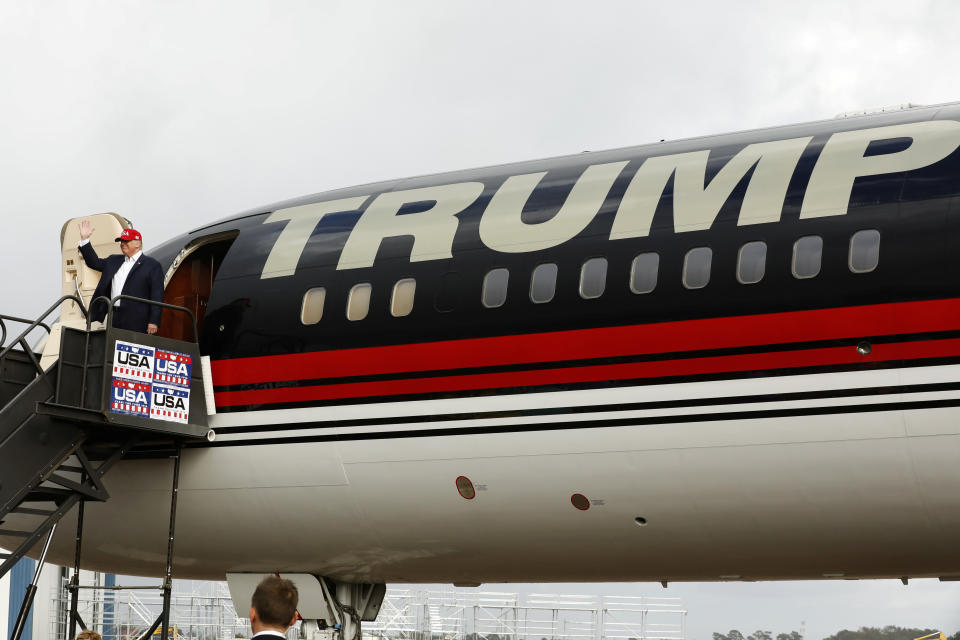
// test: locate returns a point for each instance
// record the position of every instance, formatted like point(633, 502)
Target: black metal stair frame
point(18, 365)
point(33, 447)
point(59, 500)
point(58, 438)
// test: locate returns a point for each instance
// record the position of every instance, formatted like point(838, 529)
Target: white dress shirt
point(120, 278)
point(269, 632)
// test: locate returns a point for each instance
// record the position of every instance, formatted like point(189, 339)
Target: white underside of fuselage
point(862, 483)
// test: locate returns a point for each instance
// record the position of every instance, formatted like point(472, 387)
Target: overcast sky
point(178, 113)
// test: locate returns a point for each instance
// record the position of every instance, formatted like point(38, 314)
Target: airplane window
point(864, 251)
point(807, 253)
point(643, 272)
point(543, 284)
point(495, 288)
point(401, 304)
point(593, 278)
point(358, 303)
point(696, 267)
point(752, 262)
point(312, 308)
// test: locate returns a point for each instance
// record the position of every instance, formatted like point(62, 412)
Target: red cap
point(129, 234)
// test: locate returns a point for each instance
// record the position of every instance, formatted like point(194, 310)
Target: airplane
point(733, 357)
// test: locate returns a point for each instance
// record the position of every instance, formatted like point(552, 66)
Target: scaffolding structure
point(198, 611)
point(468, 614)
point(204, 611)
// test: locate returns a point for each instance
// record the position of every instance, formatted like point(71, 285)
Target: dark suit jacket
point(145, 280)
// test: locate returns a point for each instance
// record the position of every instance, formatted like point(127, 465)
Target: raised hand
point(85, 229)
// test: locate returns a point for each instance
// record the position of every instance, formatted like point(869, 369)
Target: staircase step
point(69, 467)
point(33, 512)
point(47, 494)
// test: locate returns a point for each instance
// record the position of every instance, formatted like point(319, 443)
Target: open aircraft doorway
point(189, 282)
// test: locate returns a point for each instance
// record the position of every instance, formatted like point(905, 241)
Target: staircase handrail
point(22, 338)
point(110, 302)
point(3, 325)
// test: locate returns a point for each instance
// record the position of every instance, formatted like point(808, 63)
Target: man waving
point(132, 274)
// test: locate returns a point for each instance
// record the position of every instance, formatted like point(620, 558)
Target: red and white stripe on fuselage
point(814, 339)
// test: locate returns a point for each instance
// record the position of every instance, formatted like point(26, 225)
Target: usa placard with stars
point(168, 402)
point(130, 397)
point(172, 368)
point(133, 361)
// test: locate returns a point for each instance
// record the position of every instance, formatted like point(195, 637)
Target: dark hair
point(275, 601)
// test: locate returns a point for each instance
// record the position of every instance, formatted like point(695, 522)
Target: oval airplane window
point(401, 304)
point(864, 251)
point(643, 272)
point(494, 292)
point(358, 303)
point(312, 308)
point(807, 254)
point(696, 267)
point(593, 278)
point(752, 262)
point(543, 284)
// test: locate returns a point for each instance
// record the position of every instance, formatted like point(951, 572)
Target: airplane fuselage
point(730, 357)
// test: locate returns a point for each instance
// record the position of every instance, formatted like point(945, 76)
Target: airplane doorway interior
point(194, 271)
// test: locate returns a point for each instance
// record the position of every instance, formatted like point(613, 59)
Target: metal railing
point(112, 301)
point(22, 338)
point(3, 325)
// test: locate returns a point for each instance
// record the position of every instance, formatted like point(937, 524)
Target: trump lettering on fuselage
point(767, 167)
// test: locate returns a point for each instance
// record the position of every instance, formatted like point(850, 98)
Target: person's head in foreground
point(88, 634)
point(274, 605)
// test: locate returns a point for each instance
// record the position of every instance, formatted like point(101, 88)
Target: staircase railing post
point(75, 580)
point(168, 576)
point(32, 589)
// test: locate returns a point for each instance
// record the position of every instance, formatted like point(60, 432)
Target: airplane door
point(191, 283)
point(76, 276)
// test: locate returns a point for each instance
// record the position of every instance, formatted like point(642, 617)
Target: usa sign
point(150, 382)
point(130, 398)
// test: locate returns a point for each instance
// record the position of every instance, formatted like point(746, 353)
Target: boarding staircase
point(62, 430)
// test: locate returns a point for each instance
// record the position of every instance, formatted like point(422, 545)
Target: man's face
point(129, 247)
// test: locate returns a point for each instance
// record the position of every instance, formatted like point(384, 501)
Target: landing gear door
point(76, 276)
